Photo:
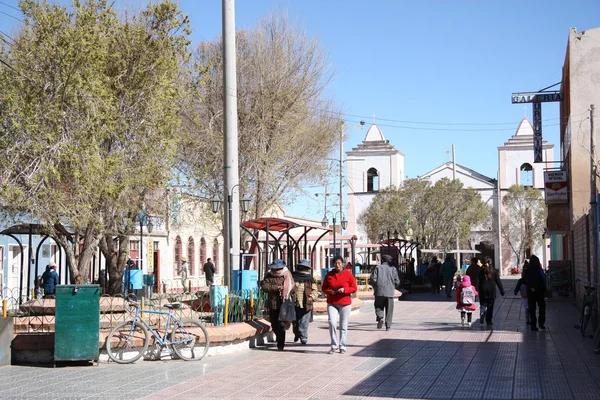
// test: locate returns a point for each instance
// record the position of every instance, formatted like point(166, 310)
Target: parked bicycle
point(589, 298)
point(129, 341)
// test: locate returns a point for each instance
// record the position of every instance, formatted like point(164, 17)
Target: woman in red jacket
point(338, 285)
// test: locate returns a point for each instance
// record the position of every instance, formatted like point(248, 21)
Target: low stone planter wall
point(38, 348)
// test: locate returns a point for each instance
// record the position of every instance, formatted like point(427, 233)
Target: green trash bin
point(77, 323)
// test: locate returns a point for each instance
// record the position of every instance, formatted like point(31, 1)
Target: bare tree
point(286, 125)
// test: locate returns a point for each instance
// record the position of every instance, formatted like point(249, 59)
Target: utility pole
point(499, 216)
point(341, 188)
point(455, 221)
point(231, 227)
point(593, 196)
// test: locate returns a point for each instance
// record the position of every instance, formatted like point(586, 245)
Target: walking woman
point(279, 285)
point(338, 285)
point(488, 281)
point(306, 294)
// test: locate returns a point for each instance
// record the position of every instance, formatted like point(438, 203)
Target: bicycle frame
point(163, 341)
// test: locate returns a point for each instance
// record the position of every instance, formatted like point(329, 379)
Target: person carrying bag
point(279, 285)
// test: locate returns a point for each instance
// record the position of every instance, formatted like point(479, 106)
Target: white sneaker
point(468, 324)
point(462, 321)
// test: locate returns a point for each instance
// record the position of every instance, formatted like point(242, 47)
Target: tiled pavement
point(426, 355)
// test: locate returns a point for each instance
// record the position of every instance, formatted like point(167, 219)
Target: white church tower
point(516, 167)
point(375, 164)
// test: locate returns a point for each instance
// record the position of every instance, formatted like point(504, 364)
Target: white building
point(373, 165)
point(484, 185)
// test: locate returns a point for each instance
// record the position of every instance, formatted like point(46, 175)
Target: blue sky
point(444, 64)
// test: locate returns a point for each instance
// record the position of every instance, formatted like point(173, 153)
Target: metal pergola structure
point(278, 234)
point(403, 246)
point(33, 268)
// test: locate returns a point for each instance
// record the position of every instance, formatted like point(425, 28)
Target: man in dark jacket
point(385, 280)
point(448, 271)
point(434, 274)
point(535, 279)
point(209, 271)
point(50, 280)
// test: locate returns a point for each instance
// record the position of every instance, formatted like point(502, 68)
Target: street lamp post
point(216, 205)
point(353, 240)
point(343, 222)
point(144, 219)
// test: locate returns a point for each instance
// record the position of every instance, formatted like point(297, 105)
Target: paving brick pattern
point(426, 355)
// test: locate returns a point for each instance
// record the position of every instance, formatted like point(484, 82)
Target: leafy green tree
point(89, 105)
point(286, 124)
point(430, 213)
point(523, 222)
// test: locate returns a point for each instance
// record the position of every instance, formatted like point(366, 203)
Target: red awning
point(275, 224)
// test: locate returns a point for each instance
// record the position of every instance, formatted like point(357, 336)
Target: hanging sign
point(556, 187)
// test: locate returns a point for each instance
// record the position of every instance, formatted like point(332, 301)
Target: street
point(426, 354)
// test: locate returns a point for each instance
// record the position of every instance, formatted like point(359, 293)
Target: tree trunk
point(116, 258)
point(80, 254)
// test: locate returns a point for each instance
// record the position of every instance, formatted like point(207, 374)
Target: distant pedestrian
point(434, 273)
point(50, 280)
point(385, 280)
point(448, 271)
point(306, 293)
point(488, 281)
point(473, 271)
point(522, 287)
point(535, 279)
point(338, 285)
point(183, 271)
point(209, 272)
point(465, 300)
point(279, 285)
point(410, 273)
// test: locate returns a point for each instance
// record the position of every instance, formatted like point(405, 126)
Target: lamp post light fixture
point(353, 240)
point(343, 222)
point(216, 206)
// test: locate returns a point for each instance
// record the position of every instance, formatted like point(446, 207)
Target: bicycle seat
point(173, 306)
point(589, 288)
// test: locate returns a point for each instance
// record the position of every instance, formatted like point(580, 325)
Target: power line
point(12, 16)
point(362, 117)
point(11, 6)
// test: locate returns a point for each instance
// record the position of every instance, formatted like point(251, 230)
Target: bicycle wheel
point(127, 342)
point(586, 320)
point(189, 340)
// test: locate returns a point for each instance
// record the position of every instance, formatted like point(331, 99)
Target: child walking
point(465, 300)
point(522, 287)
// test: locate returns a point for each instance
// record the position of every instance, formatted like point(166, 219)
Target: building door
point(14, 268)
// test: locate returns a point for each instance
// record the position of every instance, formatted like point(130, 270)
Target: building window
point(191, 256)
point(177, 257)
point(202, 254)
point(372, 180)
point(526, 175)
point(216, 257)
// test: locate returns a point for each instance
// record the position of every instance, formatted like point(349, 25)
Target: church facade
point(376, 164)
